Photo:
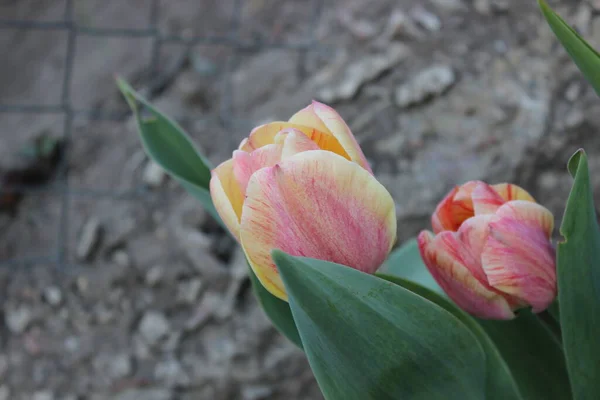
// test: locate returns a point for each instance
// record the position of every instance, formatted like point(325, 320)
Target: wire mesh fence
point(154, 81)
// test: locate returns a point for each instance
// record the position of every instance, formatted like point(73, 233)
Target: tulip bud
point(492, 252)
point(304, 187)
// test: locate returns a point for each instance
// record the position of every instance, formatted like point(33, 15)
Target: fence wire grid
point(154, 82)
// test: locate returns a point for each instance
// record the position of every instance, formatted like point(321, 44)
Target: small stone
point(582, 18)
point(595, 4)
point(256, 392)
point(573, 91)
point(426, 19)
point(18, 319)
point(43, 395)
point(431, 82)
point(154, 326)
point(4, 392)
point(188, 291)
point(121, 366)
point(483, 6)
point(88, 240)
point(53, 295)
point(121, 258)
point(72, 344)
point(171, 373)
point(574, 118)
point(144, 394)
point(154, 174)
point(400, 25)
point(155, 275)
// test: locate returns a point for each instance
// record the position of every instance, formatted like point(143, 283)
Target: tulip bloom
point(304, 187)
point(492, 252)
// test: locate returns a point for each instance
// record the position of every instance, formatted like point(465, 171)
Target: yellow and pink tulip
point(304, 187)
point(491, 252)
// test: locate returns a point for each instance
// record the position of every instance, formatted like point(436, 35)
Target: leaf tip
point(575, 160)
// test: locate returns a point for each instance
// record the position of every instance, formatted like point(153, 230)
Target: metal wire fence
point(155, 81)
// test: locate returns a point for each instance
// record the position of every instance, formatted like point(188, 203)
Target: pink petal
point(519, 260)
point(316, 204)
point(325, 119)
point(530, 213)
point(459, 273)
point(485, 199)
point(227, 196)
point(294, 142)
point(245, 164)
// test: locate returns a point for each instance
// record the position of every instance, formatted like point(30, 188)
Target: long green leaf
point(500, 383)
point(170, 147)
point(582, 53)
point(578, 271)
point(405, 262)
point(366, 338)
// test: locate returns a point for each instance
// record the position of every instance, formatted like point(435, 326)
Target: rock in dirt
point(431, 82)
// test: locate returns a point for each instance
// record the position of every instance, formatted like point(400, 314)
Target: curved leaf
point(578, 271)
point(170, 147)
point(582, 53)
point(366, 338)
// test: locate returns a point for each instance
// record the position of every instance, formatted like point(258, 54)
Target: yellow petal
point(265, 134)
point(530, 213)
point(316, 204)
point(227, 196)
point(509, 192)
point(325, 119)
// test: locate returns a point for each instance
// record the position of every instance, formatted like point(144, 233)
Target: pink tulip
point(492, 252)
point(304, 187)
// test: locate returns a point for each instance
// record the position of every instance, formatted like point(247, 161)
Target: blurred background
point(114, 284)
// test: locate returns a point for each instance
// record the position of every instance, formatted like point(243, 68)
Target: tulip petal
point(530, 213)
point(325, 119)
point(454, 209)
point(459, 273)
point(485, 199)
point(316, 204)
point(245, 164)
point(519, 260)
point(294, 142)
point(227, 196)
point(510, 192)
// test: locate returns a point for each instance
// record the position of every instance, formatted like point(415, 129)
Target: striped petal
point(510, 192)
point(227, 196)
point(316, 204)
point(454, 209)
point(245, 164)
point(485, 199)
point(459, 273)
point(529, 213)
point(519, 260)
point(325, 119)
point(294, 142)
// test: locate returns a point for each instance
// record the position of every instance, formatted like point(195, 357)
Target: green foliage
point(366, 338)
point(578, 273)
point(169, 146)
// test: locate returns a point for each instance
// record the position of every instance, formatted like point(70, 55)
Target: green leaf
point(514, 349)
point(277, 310)
point(366, 338)
point(582, 53)
point(170, 147)
point(578, 273)
point(500, 383)
point(406, 262)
